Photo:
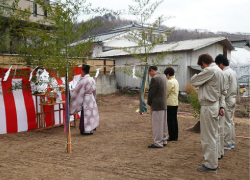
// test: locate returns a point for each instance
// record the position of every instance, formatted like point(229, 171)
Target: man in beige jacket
point(211, 87)
point(158, 101)
point(227, 133)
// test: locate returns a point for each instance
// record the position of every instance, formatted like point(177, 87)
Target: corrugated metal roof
point(101, 37)
point(138, 25)
point(177, 46)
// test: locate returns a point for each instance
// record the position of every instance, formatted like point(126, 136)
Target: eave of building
point(139, 26)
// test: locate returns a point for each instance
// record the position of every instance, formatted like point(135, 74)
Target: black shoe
point(171, 139)
point(153, 146)
point(220, 157)
point(83, 133)
point(164, 144)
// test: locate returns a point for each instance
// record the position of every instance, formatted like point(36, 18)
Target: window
point(35, 9)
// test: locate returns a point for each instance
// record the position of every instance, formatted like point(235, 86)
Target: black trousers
point(172, 122)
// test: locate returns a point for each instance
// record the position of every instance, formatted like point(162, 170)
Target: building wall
point(97, 50)
point(124, 79)
point(219, 49)
point(229, 55)
point(25, 4)
point(182, 66)
point(105, 84)
point(120, 43)
point(212, 50)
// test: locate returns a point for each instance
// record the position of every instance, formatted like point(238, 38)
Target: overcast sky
point(213, 15)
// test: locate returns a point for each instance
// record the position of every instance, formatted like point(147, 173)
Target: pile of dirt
point(196, 128)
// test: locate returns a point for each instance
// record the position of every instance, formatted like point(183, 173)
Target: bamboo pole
point(67, 96)
point(69, 141)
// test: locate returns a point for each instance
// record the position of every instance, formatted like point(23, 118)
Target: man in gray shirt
point(211, 86)
point(228, 134)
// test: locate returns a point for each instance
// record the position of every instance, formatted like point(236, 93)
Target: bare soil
point(118, 149)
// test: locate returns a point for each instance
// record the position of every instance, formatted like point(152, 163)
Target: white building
point(37, 13)
point(109, 46)
point(187, 53)
point(122, 37)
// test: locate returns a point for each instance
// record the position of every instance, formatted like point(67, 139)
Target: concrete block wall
point(106, 84)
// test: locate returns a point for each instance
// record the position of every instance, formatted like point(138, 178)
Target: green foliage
point(145, 37)
point(243, 112)
point(45, 41)
point(246, 111)
point(194, 101)
point(183, 98)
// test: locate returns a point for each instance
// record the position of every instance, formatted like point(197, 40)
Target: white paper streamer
point(63, 80)
point(32, 73)
point(7, 74)
point(111, 70)
point(97, 72)
point(74, 82)
point(59, 96)
point(134, 73)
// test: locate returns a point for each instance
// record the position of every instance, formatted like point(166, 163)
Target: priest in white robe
point(83, 98)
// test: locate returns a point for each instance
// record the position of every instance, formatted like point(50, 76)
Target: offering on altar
point(51, 95)
point(62, 89)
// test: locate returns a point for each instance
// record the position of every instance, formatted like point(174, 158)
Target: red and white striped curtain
point(18, 107)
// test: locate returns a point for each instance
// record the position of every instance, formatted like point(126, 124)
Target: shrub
point(194, 101)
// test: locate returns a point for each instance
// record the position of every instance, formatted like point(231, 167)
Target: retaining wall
point(106, 84)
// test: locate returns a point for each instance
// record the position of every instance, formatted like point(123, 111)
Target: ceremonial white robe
point(83, 95)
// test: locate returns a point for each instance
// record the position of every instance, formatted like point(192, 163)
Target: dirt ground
point(118, 149)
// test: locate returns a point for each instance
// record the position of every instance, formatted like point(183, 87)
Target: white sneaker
point(227, 148)
point(232, 146)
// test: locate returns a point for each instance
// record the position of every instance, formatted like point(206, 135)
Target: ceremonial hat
point(85, 68)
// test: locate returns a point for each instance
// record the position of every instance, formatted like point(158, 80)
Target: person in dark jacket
point(157, 100)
